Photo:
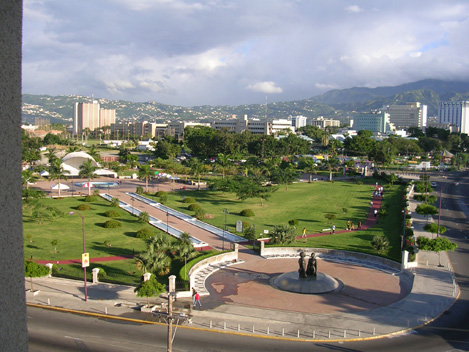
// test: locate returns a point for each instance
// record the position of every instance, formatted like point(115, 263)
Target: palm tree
point(331, 163)
point(197, 169)
point(156, 259)
point(94, 153)
point(87, 170)
point(51, 155)
point(27, 177)
point(310, 168)
point(144, 173)
point(185, 249)
point(57, 172)
point(224, 163)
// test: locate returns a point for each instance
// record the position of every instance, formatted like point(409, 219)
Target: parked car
point(433, 184)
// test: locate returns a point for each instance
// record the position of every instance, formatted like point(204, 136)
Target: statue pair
point(309, 268)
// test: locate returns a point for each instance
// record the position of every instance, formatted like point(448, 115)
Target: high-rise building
point(409, 115)
point(377, 122)
point(454, 114)
point(91, 116)
point(298, 121)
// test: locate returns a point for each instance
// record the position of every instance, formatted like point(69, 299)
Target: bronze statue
point(302, 263)
point(312, 268)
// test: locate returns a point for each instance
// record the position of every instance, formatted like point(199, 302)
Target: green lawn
point(305, 202)
point(308, 203)
point(68, 231)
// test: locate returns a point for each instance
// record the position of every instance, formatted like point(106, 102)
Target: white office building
point(454, 114)
point(409, 115)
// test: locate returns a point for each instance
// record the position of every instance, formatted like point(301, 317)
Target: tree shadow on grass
point(112, 251)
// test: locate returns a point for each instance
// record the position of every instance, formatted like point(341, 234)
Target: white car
point(433, 184)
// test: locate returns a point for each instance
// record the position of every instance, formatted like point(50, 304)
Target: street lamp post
point(224, 228)
point(83, 232)
point(167, 222)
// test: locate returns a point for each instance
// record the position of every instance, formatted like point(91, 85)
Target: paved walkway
point(372, 303)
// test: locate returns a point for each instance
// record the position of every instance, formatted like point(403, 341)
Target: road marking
point(73, 338)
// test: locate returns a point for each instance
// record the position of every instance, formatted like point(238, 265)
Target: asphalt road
point(53, 331)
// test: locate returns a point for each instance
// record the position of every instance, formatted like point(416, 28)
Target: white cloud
point(186, 52)
point(268, 87)
point(353, 9)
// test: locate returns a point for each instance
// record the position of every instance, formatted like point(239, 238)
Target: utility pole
point(171, 290)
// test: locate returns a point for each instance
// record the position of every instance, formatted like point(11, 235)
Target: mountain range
point(339, 104)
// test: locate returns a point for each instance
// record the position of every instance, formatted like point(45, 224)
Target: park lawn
point(305, 202)
point(121, 271)
point(390, 225)
point(68, 231)
point(308, 203)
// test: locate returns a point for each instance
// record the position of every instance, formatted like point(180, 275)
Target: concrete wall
point(13, 331)
point(272, 252)
point(224, 257)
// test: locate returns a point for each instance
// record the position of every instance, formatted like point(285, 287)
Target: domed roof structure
point(72, 162)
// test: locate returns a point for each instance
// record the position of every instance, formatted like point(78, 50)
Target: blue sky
point(234, 52)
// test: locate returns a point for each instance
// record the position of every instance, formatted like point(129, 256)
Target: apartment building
point(455, 114)
point(91, 116)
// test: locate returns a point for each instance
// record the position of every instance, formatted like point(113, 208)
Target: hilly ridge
point(339, 104)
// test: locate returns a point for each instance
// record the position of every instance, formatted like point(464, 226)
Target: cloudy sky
point(233, 52)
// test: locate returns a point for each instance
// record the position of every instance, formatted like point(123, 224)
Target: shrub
point(83, 207)
point(161, 193)
point(189, 200)
point(194, 207)
point(143, 217)
point(112, 214)
point(145, 233)
point(101, 274)
point(112, 224)
point(380, 243)
point(293, 223)
point(115, 202)
point(282, 235)
point(247, 212)
point(163, 198)
point(92, 198)
point(200, 214)
point(359, 183)
point(246, 225)
point(139, 190)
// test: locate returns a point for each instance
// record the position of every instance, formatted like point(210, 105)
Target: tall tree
point(87, 170)
point(185, 249)
point(145, 173)
point(57, 172)
point(197, 169)
point(27, 177)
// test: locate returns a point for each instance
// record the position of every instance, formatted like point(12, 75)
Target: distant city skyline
point(220, 52)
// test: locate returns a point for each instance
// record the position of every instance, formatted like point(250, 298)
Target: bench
point(326, 230)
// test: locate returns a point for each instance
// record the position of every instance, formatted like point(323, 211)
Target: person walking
point(304, 232)
point(333, 229)
point(197, 300)
point(193, 296)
